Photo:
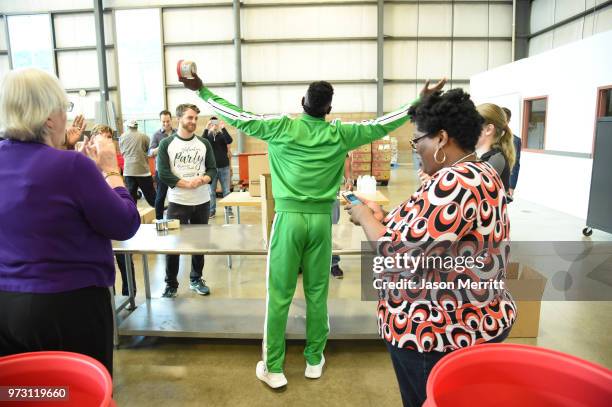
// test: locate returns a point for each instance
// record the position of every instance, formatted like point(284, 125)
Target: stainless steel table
point(226, 317)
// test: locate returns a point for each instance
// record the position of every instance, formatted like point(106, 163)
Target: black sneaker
point(200, 287)
point(170, 292)
point(212, 215)
point(337, 272)
point(230, 214)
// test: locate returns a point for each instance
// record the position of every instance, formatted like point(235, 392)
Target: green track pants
point(297, 239)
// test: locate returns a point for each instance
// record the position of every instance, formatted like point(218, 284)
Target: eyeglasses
point(69, 106)
point(415, 140)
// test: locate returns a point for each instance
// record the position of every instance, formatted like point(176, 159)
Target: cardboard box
point(381, 165)
point(267, 207)
point(381, 175)
point(527, 287)
point(360, 157)
point(361, 167)
point(382, 155)
point(366, 148)
point(258, 165)
point(147, 215)
point(356, 174)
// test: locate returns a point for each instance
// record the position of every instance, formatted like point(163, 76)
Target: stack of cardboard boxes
point(361, 161)
point(258, 165)
point(381, 160)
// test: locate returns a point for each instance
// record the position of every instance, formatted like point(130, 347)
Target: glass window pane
point(536, 127)
point(30, 41)
point(140, 62)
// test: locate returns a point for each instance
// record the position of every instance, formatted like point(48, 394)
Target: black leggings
point(78, 321)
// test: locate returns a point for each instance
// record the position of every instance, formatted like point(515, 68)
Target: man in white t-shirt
point(186, 163)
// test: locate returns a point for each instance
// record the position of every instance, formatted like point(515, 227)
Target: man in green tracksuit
point(306, 161)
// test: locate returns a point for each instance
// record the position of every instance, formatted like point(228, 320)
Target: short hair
point(27, 98)
point(100, 128)
point(165, 112)
point(182, 108)
point(318, 98)
point(452, 111)
point(213, 118)
point(507, 112)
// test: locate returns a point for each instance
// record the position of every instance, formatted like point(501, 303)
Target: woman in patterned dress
point(460, 212)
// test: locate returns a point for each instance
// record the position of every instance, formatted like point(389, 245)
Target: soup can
point(186, 69)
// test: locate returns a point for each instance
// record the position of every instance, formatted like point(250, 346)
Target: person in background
point(495, 144)
point(514, 174)
point(418, 328)
point(186, 163)
point(134, 147)
point(59, 211)
point(336, 271)
point(105, 132)
point(219, 139)
point(165, 117)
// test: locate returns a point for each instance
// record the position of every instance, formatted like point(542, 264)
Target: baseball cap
point(131, 123)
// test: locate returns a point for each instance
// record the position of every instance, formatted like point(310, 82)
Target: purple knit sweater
point(57, 218)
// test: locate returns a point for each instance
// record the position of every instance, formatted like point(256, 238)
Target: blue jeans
point(223, 175)
point(412, 370)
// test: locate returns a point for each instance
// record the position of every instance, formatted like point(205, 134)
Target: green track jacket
point(306, 154)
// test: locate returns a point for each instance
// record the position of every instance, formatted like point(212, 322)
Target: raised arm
point(262, 127)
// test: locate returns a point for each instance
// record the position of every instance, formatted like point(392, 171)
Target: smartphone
point(351, 198)
point(214, 122)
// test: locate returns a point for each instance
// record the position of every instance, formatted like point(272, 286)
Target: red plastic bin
point(89, 383)
point(509, 375)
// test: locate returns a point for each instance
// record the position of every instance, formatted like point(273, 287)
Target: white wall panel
point(85, 105)
point(542, 14)
point(603, 20)
point(469, 58)
point(568, 8)
point(401, 20)
point(400, 59)
point(74, 30)
point(567, 33)
point(109, 29)
point(435, 20)
point(398, 94)
point(182, 95)
point(111, 71)
point(500, 20)
point(295, 1)
point(540, 43)
point(4, 65)
point(198, 24)
point(434, 59)
point(309, 61)
point(3, 43)
point(215, 62)
point(589, 25)
point(500, 53)
point(78, 69)
point(471, 20)
point(308, 22)
point(286, 99)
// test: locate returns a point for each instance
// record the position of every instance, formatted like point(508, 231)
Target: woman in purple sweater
point(59, 211)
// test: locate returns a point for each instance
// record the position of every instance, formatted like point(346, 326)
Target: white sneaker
point(274, 380)
point(314, 372)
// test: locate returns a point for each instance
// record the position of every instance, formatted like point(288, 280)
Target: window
point(31, 42)
point(534, 123)
point(604, 102)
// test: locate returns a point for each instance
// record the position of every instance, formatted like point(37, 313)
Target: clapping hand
point(74, 132)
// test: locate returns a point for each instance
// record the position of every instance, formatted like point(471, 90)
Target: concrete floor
point(201, 372)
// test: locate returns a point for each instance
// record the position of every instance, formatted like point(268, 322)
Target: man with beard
point(186, 163)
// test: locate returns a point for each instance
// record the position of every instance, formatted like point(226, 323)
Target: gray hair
point(27, 98)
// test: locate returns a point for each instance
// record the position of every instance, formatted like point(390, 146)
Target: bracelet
point(110, 174)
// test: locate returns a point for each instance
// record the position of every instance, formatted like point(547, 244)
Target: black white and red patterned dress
point(461, 209)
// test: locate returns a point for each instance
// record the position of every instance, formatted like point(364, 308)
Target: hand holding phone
point(351, 198)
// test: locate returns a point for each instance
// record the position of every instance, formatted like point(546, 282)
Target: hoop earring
point(435, 156)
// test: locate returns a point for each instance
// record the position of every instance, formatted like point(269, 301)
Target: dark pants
point(160, 197)
point(194, 215)
point(146, 186)
point(123, 270)
point(412, 369)
point(78, 321)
